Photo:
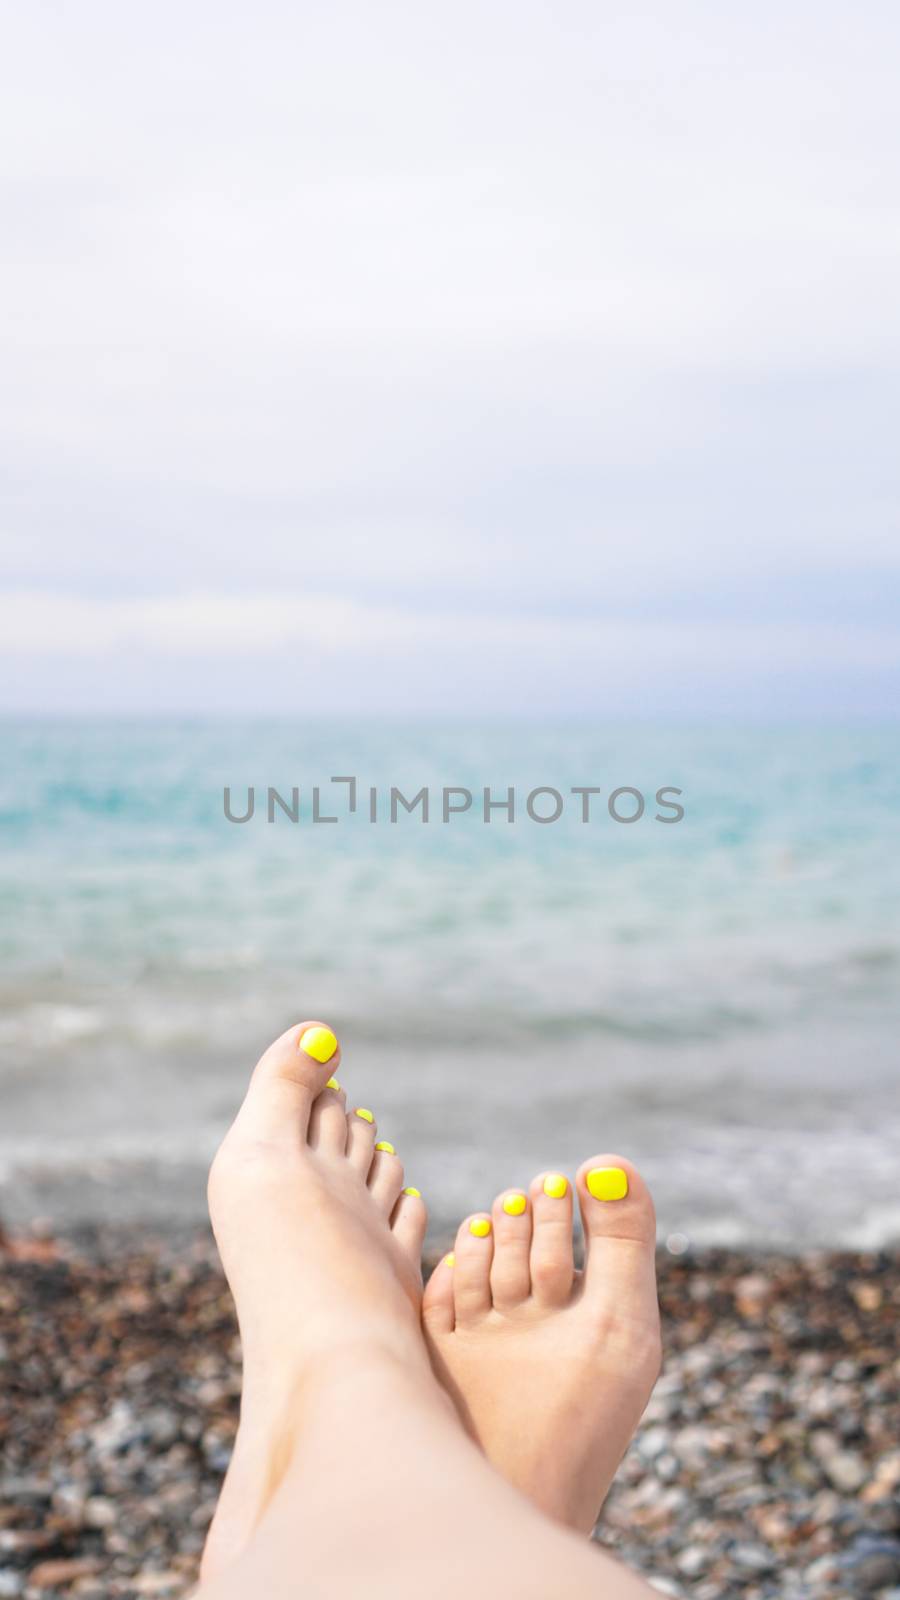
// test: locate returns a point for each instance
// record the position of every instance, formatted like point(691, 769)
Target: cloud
point(347, 316)
point(259, 625)
point(326, 654)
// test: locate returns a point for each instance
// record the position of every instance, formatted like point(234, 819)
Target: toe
point(362, 1131)
point(287, 1080)
point(438, 1310)
point(328, 1121)
point(473, 1253)
point(615, 1202)
point(552, 1255)
point(511, 1267)
point(409, 1220)
point(620, 1248)
point(385, 1176)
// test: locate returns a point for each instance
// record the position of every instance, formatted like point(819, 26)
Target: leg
point(321, 1247)
point(351, 1472)
point(385, 1496)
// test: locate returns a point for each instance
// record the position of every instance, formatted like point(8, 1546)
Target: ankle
point(280, 1402)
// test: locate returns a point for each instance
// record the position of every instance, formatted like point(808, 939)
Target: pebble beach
point(768, 1463)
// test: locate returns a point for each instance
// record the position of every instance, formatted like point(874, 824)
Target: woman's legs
point(351, 1472)
point(384, 1495)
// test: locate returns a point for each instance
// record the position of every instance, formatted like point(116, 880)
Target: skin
point(351, 1472)
point(511, 1318)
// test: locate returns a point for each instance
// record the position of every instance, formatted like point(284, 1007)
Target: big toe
point(286, 1081)
point(615, 1202)
point(620, 1241)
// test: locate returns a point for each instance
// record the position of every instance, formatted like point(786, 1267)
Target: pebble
point(768, 1466)
point(754, 1557)
point(692, 1560)
point(845, 1470)
point(99, 1512)
point(55, 1574)
point(652, 1442)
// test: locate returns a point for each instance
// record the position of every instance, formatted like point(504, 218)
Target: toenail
point(555, 1185)
point(386, 1146)
point(480, 1226)
point(362, 1112)
point(607, 1183)
point(332, 1084)
point(416, 1193)
point(514, 1205)
point(449, 1261)
point(319, 1043)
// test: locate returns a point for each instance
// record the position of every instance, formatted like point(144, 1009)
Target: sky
point(497, 358)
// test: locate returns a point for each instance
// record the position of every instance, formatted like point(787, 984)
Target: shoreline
point(767, 1464)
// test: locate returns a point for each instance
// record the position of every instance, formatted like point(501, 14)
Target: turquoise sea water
point(719, 998)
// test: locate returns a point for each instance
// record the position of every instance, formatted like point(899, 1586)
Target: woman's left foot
point(550, 1368)
point(321, 1240)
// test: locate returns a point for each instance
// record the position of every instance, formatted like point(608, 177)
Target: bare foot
point(551, 1368)
point(321, 1246)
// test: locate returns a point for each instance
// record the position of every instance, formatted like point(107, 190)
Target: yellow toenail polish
point(362, 1112)
point(319, 1043)
point(449, 1261)
point(514, 1205)
point(386, 1146)
point(480, 1227)
point(608, 1183)
point(417, 1193)
point(555, 1185)
point(332, 1084)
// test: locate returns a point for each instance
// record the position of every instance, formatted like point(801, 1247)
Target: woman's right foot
point(550, 1368)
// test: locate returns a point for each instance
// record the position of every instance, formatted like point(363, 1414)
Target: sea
point(715, 994)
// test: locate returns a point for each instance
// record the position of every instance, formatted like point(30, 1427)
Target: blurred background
point(718, 997)
point(474, 397)
point(486, 396)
